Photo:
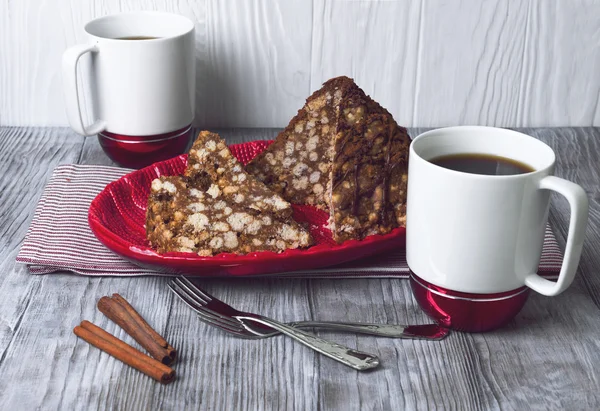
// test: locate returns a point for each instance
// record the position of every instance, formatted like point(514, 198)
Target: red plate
point(118, 213)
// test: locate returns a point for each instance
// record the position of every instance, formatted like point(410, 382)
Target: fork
point(421, 331)
point(202, 301)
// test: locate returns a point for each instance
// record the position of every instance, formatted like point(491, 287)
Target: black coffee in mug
point(485, 164)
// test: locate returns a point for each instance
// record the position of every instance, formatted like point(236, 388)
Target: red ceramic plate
point(117, 216)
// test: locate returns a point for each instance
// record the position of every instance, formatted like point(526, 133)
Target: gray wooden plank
point(546, 358)
point(27, 158)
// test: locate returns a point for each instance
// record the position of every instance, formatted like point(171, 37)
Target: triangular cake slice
point(210, 162)
point(342, 152)
point(217, 207)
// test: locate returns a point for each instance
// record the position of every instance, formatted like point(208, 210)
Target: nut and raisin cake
point(219, 208)
point(342, 152)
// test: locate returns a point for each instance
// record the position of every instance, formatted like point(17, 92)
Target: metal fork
point(421, 331)
point(203, 301)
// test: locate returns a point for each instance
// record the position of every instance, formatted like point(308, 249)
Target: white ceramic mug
point(473, 237)
point(139, 87)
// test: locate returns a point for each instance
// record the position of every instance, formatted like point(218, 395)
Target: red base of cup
point(141, 151)
point(466, 311)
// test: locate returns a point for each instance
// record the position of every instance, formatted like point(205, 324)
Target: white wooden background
point(430, 62)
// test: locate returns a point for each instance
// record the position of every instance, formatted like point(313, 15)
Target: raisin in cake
point(208, 211)
point(342, 152)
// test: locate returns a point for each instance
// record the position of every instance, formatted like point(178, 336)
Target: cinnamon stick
point(122, 351)
point(117, 313)
point(140, 320)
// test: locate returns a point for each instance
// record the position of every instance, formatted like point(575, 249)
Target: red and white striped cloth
point(59, 238)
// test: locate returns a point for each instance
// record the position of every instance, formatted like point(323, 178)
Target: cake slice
point(342, 152)
point(368, 179)
point(185, 219)
point(211, 162)
point(217, 207)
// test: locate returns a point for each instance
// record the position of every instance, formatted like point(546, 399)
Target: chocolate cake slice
point(184, 219)
point(217, 207)
point(342, 152)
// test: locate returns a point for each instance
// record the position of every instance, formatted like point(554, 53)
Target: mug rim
point(99, 20)
point(545, 170)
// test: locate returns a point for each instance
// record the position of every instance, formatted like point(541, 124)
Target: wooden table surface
point(547, 358)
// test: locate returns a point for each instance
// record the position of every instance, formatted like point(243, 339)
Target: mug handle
point(578, 203)
point(73, 106)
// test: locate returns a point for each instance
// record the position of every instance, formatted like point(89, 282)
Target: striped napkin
point(59, 238)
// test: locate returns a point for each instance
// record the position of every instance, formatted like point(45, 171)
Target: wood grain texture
point(470, 58)
point(376, 43)
point(430, 62)
point(561, 61)
point(547, 358)
point(257, 62)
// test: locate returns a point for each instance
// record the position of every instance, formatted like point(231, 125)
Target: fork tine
point(225, 327)
point(230, 322)
point(226, 324)
point(192, 287)
point(184, 297)
point(207, 300)
point(198, 305)
point(185, 289)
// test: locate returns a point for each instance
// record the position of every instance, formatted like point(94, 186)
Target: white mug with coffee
point(142, 77)
point(474, 238)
